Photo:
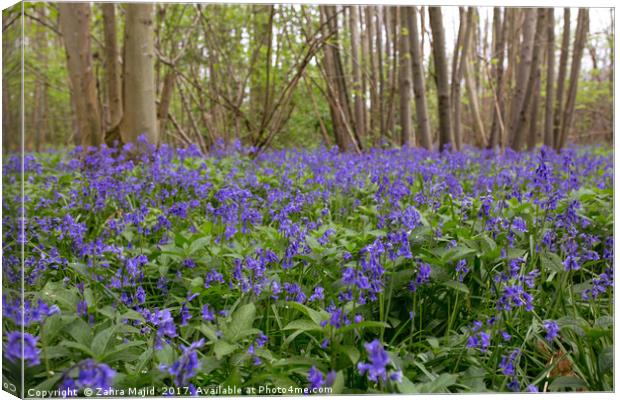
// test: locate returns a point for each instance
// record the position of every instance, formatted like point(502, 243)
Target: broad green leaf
point(223, 348)
point(101, 340)
point(242, 320)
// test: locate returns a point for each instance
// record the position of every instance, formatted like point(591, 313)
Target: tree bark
point(521, 133)
point(424, 132)
point(498, 74)
point(559, 98)
point(140, 116)
point(380, 77)
point(113, 72)
point(374, 72)
point(74, 20)
point(357, 72)
point(460, 50)
point(519, 102)
point(441, 78)
point(578, 47)
point(165, 100)
point(550, 78)
point(404, 73)
point(336, 86)
point(472, 86)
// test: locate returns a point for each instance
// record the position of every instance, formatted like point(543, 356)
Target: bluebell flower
point(379, 360)
point(315, 378)
point(18, 343)
point(552, 329)
point(187, 365)
point(88, 374)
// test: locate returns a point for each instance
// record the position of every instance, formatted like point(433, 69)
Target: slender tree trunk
point(550, 78)
point(357, 72)
point(74, 20)
point(519, 105)
point(140, 116)
point(165, 100)
point(374, 72)
point(424, 132)
point(520, 133)
point(498, 73)
point(559, 98)
point(578, 47)
point(379, 44)
point(336, 88)
point(113, 73)
point(441, 78)
point(532, 136)
point(407, 139)
point(460, 50)
point(40, 107)
point(472, 86)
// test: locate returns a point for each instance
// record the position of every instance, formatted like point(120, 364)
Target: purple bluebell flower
point(461, 269)
point(18, 343)
point(379, 360)
point(88, 374)
point(315, 378)
point(552, 329)
point(187, 365)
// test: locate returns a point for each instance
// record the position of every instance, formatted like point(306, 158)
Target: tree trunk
point(336, 86)
point(472, 86)
point(532, 136)
point(424, 132)
point(380, 80)
point(559, 98)
point(550, 78)
point(497, 127)
point(165, 100)
point(404, 73)
point(40, 94)
point(374, 72)
point(357, 72)
point(520, 104)
point(113, 72)
point(521, 133)
point(460, 51)
point(578, 47)
point(140, 117)
point(441, 78)
point(74, 20)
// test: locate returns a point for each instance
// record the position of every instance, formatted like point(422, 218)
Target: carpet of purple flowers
point(399, 271)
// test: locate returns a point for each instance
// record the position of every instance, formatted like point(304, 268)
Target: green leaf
point(459, 286)
point(338, 385)
point(457, 253)
point(551, 262)
point(80, 331)
point(49, 383)
point(199, 244)
point(351, 352)
point(606, 359)
point(563, 382)
point(362, 325)
point(78, 346)
point(208, 332)
point(102, 339)
point(242, 320)
point(473, 378)
point(223, 348)
point(406, 386)
point(438, 385)
point(303, 325)
point(316, 316)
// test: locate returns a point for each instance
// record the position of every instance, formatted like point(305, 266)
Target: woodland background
point(302, 75)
